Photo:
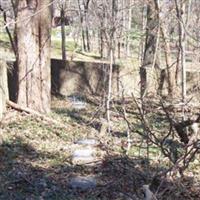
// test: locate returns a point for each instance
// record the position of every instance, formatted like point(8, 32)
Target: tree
point(62, 15)
point(181, 9)
point(83, 14)
point(3, 87)
point(150, 60)
point(62, 4)
point(165, 26)
point(33, 54)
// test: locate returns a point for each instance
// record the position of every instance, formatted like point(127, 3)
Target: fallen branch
point(34, 113)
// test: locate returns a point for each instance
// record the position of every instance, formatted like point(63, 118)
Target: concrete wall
point(85, 78)
point(90, 78)
point(77, 77)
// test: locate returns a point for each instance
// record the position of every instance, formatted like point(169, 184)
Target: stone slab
point(83, 161)
point(83, 153)
point(91, 142)
point(83, 156)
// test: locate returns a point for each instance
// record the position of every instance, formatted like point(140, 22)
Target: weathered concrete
point(69, 78)
point(92, 78)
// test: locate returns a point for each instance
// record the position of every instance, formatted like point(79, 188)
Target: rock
point(83, 160)
point(83, 156)
point(195, 128)
point(78, 102)
point(91, 142)
point(79, 105)
point(83, 183)
point(87, 152)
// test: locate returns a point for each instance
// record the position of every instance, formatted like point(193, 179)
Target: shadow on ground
point(81, 117)
point(23, 177)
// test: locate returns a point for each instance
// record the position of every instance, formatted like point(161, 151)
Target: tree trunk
point(182, 44)
point(150, 58)
point(170, 69)
point(83, 41)
point(119, 50)
point(180, 11)
point(112, 58)
point(129, 22)
point(33, 54)
point(3, 87)
point(62, 14)
point(101, 44)
point(84, 46)
point(87, 38)
point(109, 95)
point(101, 36)
point(142, 43)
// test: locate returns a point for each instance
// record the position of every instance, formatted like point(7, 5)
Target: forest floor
point(36, 162)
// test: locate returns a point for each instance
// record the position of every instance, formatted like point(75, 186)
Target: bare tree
point(150, 60)
point(62, 15)
point(180, 9)
point(83, 6)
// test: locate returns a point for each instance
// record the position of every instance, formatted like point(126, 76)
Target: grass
point(4, 37)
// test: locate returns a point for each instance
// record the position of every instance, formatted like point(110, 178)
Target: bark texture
point(3, 87)
point(150, 59)
point(33, 54)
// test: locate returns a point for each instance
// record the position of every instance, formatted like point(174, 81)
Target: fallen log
point(34, 113)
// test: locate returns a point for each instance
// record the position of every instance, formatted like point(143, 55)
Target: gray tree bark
point(150, 58)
